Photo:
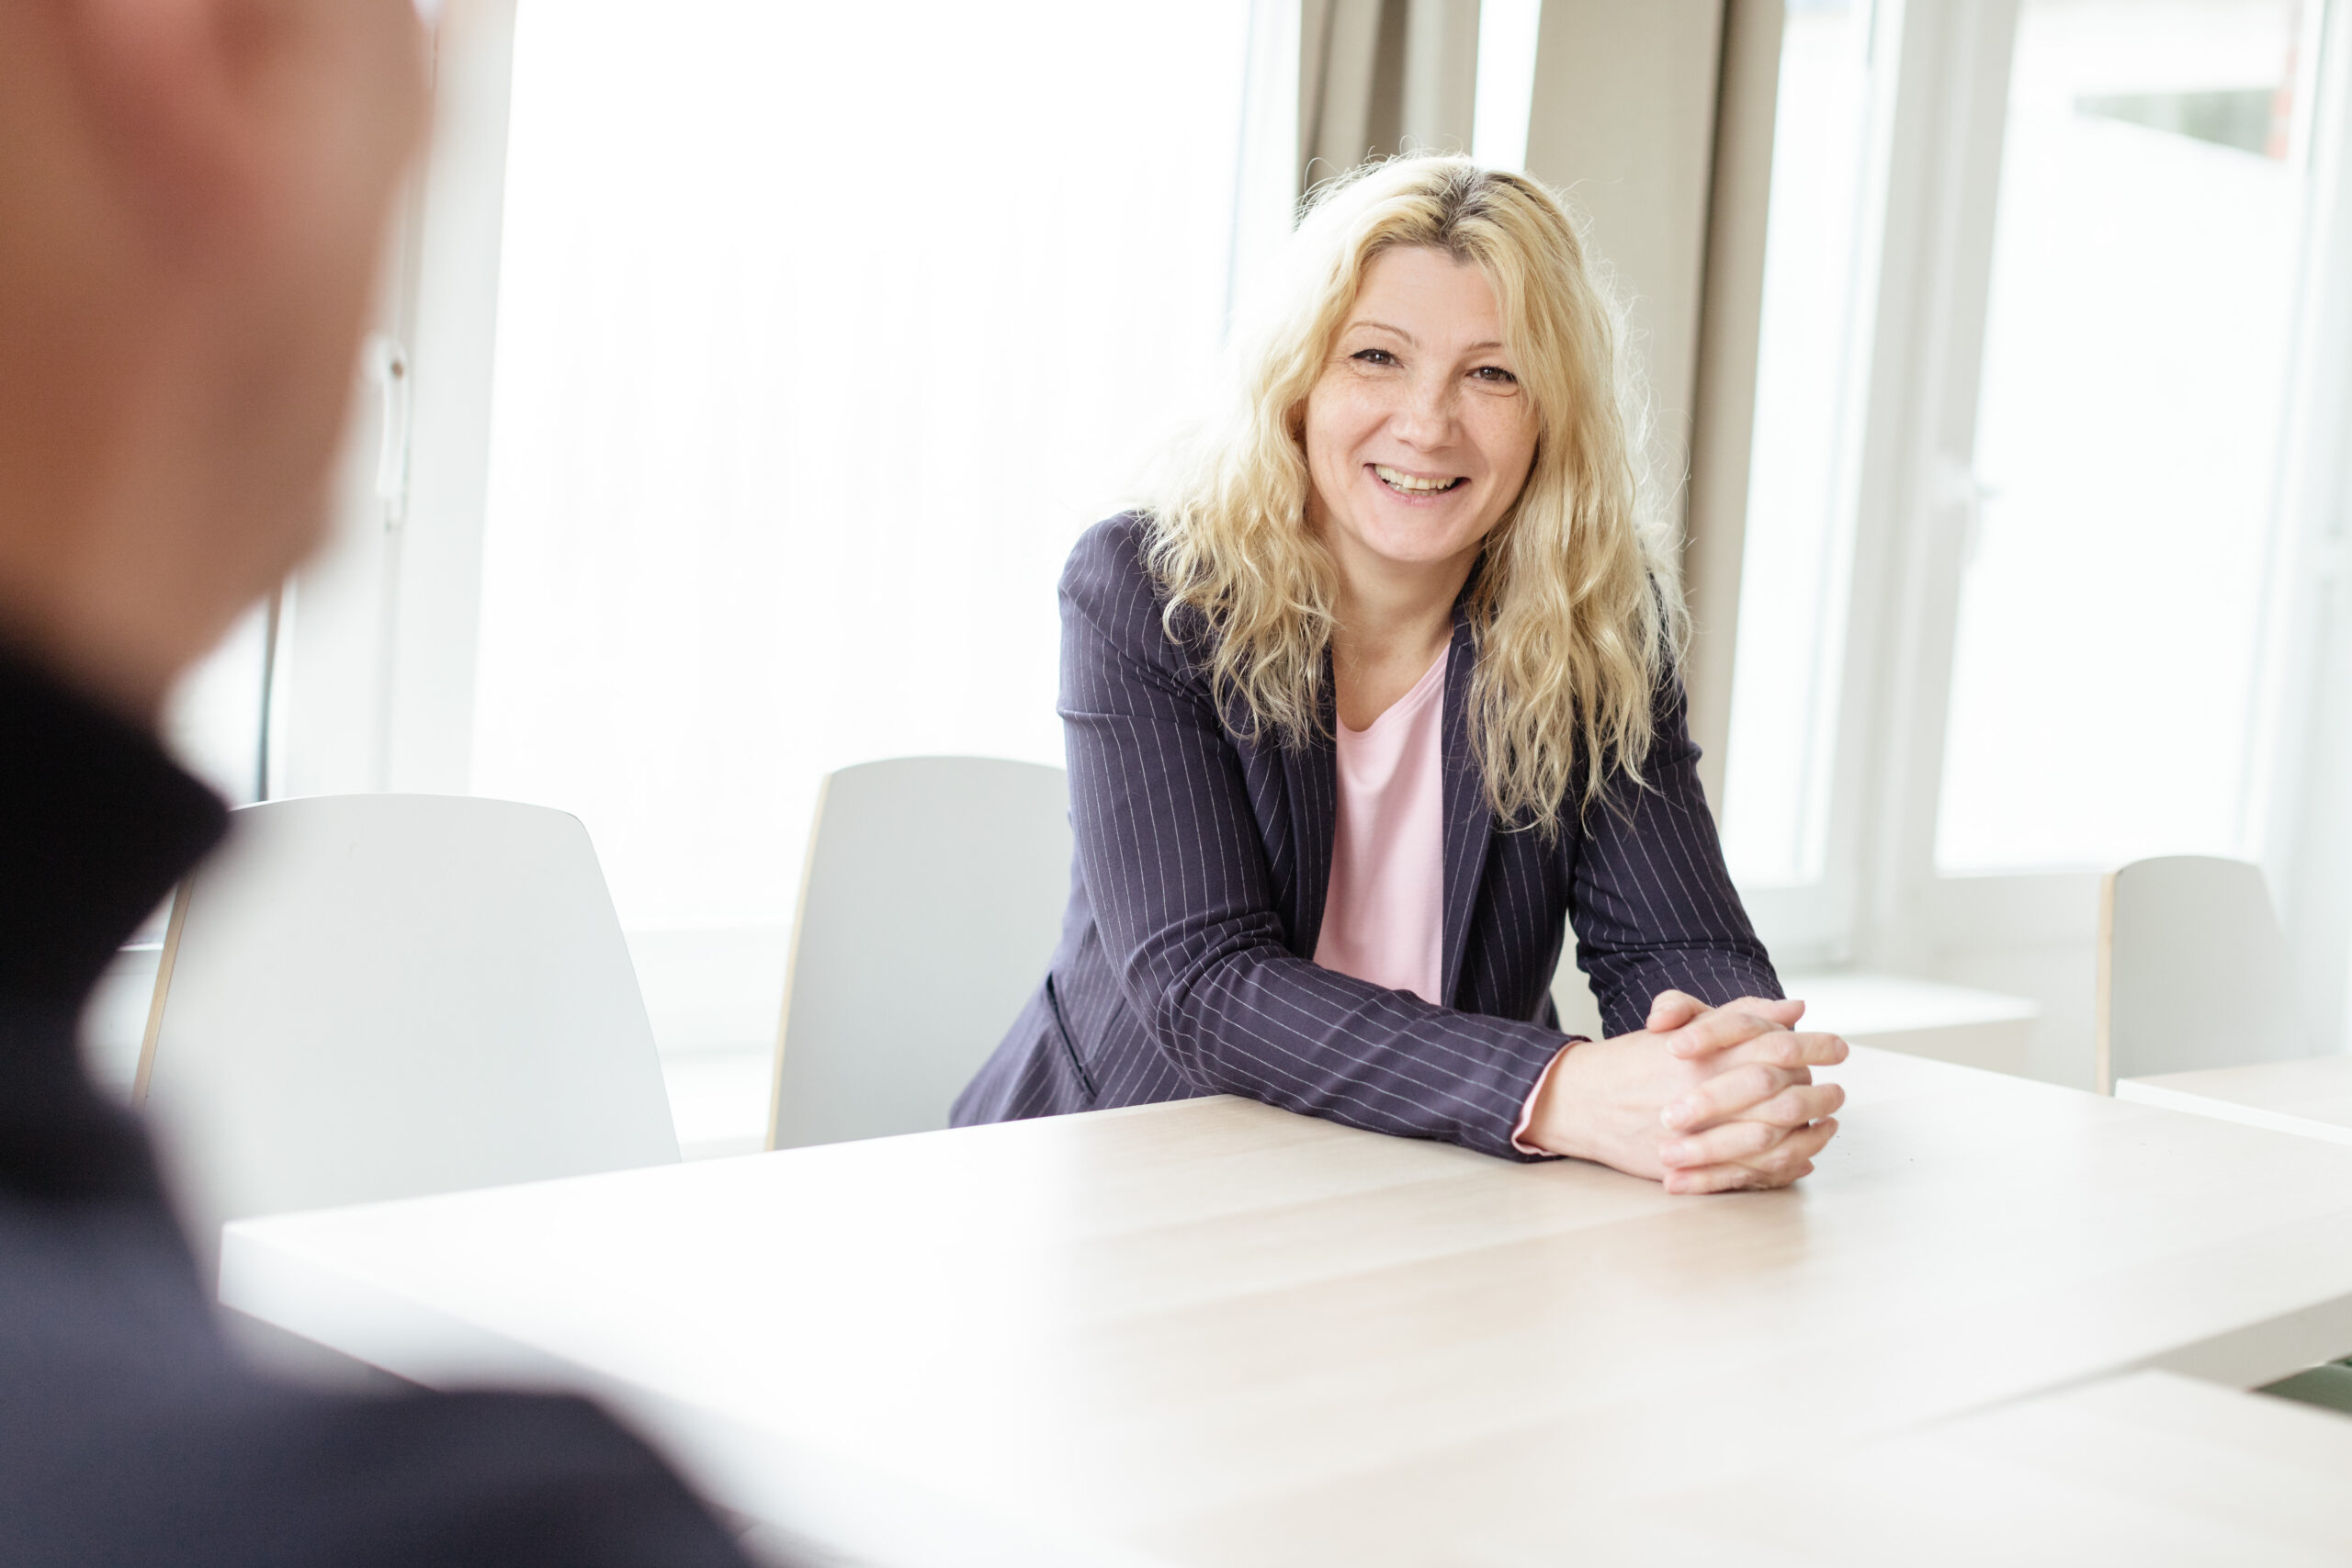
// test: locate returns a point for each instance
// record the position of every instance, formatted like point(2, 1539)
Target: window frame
point(1881, 901)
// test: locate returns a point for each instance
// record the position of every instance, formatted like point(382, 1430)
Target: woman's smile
point(1420, 486)
point(1418, 435)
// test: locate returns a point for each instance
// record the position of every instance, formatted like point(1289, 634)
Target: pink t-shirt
point(1383, 916)
point(1384, 919)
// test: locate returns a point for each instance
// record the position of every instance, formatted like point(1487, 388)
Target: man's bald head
point(193, 196)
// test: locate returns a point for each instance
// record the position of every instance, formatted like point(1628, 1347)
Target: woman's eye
point(1373, 356)
point(1495, 374)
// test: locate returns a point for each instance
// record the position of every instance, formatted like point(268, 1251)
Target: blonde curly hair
point(1576, 605)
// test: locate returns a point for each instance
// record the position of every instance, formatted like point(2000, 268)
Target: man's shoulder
point(107, 1348)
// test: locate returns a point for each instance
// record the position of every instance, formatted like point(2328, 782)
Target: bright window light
point(1797, 560)
point(1506, 89)
point(823, 330)
point(2107, 669)
point(212, 723)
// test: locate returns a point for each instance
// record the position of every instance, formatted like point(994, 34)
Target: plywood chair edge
point(164, 963)
point(2103, 1007)
point(792, 955)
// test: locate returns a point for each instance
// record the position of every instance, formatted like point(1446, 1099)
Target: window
point(1798, 555)
point(2144, 298)
point(822, 333)
point(214, 723)
point(2032, 534)
point(1505, 81)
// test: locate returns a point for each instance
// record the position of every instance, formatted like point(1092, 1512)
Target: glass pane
point(1797, 557)
point(212, 724)
point(823, 330)
point(1506, 82)
point(2135, 363)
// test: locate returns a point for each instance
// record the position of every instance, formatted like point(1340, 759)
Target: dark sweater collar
point(96, 825)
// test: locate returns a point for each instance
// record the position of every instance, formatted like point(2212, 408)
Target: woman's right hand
point(1702, 1100)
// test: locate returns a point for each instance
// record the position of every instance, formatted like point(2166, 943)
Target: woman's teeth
point(1397, 479)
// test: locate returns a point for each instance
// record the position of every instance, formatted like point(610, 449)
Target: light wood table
point(1212, 1332)
point(2312, 1098)
point(2150, 1469)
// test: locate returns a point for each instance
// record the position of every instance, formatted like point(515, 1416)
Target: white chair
point(931, 903)
point(384, 996)
point(2193, 970)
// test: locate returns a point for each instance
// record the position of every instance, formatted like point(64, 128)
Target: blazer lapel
point(1469, 824)
point(1312, 772)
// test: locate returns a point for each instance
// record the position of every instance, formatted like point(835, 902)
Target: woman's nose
point(1426, 416)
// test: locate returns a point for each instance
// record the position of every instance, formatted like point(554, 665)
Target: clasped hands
point(1701, 1100)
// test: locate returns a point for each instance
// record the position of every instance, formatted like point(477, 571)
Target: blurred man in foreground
point(192, 199)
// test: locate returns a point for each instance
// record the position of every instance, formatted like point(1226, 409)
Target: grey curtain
point(1380, 76)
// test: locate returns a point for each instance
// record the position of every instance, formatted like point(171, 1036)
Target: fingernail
point(1674, 1154)
point(1680, 1114)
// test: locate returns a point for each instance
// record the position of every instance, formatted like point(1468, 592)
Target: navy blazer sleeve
point(1651, 900)
point(1178, 879)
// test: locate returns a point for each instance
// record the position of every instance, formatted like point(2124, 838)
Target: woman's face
point(1418, 435)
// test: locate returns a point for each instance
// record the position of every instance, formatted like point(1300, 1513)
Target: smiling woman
point(1376, 699)
point(1416, 447)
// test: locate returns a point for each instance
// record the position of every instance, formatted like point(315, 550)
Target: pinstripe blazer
point(1203, 856)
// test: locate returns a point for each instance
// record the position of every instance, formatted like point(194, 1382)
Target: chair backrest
point(384, 996)
point(2193, 970)
point(931, 902)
